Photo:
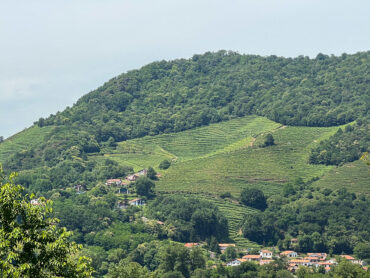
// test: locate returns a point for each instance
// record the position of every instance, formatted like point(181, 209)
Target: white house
point(137, 202)
point(143, 172)
point(289, 254)
point(116, 182)
point(235, 262)
point(266, 253)
point(35, 202)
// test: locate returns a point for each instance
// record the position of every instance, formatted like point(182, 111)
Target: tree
point(31, 243)
point(165, 164)
point(269, 140)
point(127, 270)
point(144, 186)
point(254, 198)
point(362, 250)
point(151, 173)
point(1, 139)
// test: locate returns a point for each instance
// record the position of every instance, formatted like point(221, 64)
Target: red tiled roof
point(251, 257)
point(287, 252)
point(348, 257)
point(299, 261)
point(190, 244)
point(226, 245)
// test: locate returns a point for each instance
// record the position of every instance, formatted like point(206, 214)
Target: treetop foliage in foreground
point(31, 244)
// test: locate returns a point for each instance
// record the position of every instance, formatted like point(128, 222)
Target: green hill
point(200, 113)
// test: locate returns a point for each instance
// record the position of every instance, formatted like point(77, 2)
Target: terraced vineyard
point(226, 157)
point(28, 138)
point(192, 144)
point(354, 176)
point(267, 168)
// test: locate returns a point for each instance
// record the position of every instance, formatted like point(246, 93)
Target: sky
point(54, 52)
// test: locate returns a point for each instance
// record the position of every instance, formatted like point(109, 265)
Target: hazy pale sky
point(53, 52)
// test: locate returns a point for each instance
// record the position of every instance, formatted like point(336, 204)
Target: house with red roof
point(289, 254)
point(223, 246)
point(252, 258)
point(264, 253)
point(190, 244)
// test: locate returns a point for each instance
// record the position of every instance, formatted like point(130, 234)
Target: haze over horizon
point(52, 53)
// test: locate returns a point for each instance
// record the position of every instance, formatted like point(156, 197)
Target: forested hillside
point(182, 94)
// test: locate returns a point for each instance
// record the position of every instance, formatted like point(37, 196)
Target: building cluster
point(127, 180)
point(295, 260)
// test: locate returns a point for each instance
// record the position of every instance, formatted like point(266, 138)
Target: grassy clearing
point(354, 176)
point(24, 140)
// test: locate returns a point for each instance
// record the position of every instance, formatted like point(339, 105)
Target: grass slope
point(354, 176)
point(24, 140)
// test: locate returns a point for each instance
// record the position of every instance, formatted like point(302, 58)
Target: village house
point(266, 253)
point(223, 246)
point(352, 259)
point(137, 202)
point(116, 182)
point(131, 178)
point(123, 190)
point(294, 241)
point(252, 258)
point(326, 265)
point(289, 254)
point(143, 172)
point(299, 262)
point(236, 262)
point(262, 262)
point(320, 256)
point(35, 202)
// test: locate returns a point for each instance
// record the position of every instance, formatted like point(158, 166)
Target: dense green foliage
point(144, 187)
point(182, 94)
point(269, 140)
point(254, 198)
point(323, 220)
point(344, 146)
point(165, 164)
point(31, 243)
point(194, 220)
